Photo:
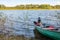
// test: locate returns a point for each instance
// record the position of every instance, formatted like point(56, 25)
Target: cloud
point(18, 2)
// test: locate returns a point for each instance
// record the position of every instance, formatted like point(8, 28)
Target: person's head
point(39, 19)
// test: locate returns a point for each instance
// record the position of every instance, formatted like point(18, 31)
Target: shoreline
point(29, 9)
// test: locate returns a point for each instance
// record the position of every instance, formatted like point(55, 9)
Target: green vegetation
point(30, 6)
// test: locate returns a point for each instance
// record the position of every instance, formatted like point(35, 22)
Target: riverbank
point(29, 9)
point(38, 36)
point(25, 9)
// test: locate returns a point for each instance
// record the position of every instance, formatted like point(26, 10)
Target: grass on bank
point(4, 37)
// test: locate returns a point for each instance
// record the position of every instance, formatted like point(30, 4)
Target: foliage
point(31, 6)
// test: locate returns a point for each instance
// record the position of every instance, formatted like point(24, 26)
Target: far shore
point(29, 9)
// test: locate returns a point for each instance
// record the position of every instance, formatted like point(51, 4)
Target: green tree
point(57, 6)
point(45, 6)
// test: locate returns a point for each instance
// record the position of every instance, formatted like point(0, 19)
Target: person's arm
point(41, 25)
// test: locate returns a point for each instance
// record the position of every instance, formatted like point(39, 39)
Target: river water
point(20, 22)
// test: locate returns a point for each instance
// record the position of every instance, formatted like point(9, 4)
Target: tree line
point(32, 6)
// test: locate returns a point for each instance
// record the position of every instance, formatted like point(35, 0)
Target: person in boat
point(38, 23)
point(39, 20)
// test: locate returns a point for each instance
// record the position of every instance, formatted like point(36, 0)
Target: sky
point(19, 2)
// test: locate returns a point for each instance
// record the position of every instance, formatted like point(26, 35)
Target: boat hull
point(49, 33)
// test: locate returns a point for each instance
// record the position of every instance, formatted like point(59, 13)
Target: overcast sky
point(18, 2)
